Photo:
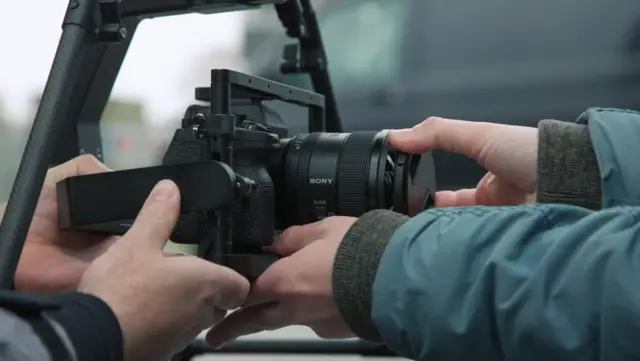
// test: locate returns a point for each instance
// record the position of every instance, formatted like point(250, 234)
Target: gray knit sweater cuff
point(568, 170)
point(356, 265)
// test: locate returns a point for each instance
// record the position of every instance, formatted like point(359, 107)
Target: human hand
point(53, 260)
point(296, 290)
point(161, 301)
point(508, 152)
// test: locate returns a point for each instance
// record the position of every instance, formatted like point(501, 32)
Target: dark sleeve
point(91, 326)
point(71, 326)
point(355, 267)
point(568, 170)
point(18, 341)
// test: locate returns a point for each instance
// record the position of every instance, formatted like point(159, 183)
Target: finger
point(175, 254)
point(274, 284)
point(81, 165)
point(157, 218)
point(218, 315)
point(296, 238)
point(229, 287)
point(209, 319)
point(456, 136)
point(459, 198)
point(331, 329)
point(248, 321)
point(495, 191)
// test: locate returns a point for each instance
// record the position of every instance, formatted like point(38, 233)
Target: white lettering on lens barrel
point(320, 180)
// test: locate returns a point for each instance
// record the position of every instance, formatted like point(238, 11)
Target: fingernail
point(164, 190)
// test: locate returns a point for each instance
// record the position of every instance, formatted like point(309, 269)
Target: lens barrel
point(328, 174)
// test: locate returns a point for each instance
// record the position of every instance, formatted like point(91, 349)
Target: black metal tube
point(282, 347)
point(321, 80)
point(41, 145)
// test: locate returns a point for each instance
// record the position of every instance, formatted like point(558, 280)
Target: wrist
point(355, 267)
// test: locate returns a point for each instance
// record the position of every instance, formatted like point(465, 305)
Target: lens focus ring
point(353, 173)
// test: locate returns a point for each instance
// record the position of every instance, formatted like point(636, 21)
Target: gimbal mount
point(95, 39)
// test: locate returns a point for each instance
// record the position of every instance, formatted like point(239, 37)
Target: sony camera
point(243, 180)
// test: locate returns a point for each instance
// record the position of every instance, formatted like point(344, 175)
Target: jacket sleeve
point(18, 342)
point(550, 282)
point(615, 135)
point(590, 163)
point(71, 326)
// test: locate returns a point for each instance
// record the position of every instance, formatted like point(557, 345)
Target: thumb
point(158, 216)
point(456, 136)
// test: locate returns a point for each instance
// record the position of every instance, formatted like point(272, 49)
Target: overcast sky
point(155, 63)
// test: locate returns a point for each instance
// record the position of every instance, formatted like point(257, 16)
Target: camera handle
point(95, 38)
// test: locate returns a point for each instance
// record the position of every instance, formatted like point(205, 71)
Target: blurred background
point(393, 63)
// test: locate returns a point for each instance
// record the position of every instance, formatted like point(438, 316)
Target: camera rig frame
point(95, 38)
point(96, 35)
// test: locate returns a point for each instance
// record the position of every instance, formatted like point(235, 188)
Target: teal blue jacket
point(540, 282)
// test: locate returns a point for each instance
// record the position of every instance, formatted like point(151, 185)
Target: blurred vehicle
point(394, 63)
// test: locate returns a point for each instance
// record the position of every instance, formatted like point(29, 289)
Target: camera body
point(242, 179)
point(252, 151)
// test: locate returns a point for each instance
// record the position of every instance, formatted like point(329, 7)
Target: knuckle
point(289, 233)
point(428, 123)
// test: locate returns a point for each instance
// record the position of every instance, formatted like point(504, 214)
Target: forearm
point(74, 326)
point(522, 283)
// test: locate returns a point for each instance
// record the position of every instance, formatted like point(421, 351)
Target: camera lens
point(328, 174)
